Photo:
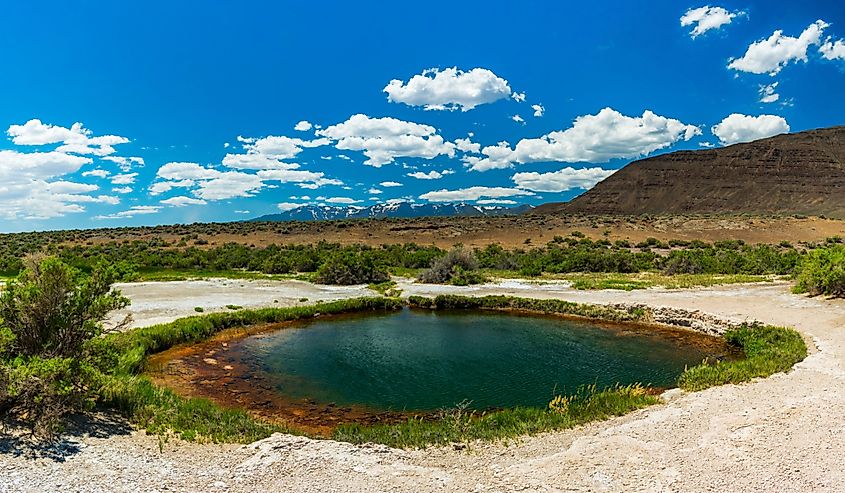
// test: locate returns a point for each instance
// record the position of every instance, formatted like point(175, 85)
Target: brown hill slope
point(791, 174)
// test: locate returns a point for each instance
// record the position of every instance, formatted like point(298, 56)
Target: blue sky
point(165, 112)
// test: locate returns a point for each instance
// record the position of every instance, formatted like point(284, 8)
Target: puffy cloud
point(561, 180)
point(255, 161)
point(769, 56)
point(498, 156)
point(496, 202)
point(39, 164)
point(449, 89)
point(99, 173)
point(374, 191)
point(519, 97)
point(341, 200)
point(539, 110)
point(124, 179)
point(186, 171)
point(31, 185)
point(467, 145)
point(269, 152)
point(122, 190)
point(125, 163)
point(182, 201)
point(389, 184)
point(303, 126)
point(288, 206)
point(35, 185)
point(473, 193)
point(228, 185)
point(431, 175)
point(517, 119)
point(706, 18)
point(768, 94)
point(135, 210)
point(592, 138)
point(161, 187)
point(76, 139)
point(831, 50)
point(36, 133)
point(737, 128)
point(384, 139)
point(214, 184)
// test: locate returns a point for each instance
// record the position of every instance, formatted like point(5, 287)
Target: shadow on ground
point(17, 440)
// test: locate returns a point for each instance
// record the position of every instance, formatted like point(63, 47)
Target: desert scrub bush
point(50, 353)
point(822, 271)
point(348, 267)
point(458, 267)
point(463, 425)
point(767, 350)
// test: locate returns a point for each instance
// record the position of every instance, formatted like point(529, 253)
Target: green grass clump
point(768, 350)
point(462, 425)
point(386, 288)
point(161, 411)
point(550, 306)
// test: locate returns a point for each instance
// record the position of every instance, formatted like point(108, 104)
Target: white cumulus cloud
point(592, 138)
point(769, 56)
point(182, 201)
point(383, 140)
point(473, 193)
point(303, 126)
point(449, 89)
point(562, 180)
point(135, 210)
point(737, 128)
point(539, 110)
point(768, 94)
point(431, 175)
point(706, 18)
point(833, 50)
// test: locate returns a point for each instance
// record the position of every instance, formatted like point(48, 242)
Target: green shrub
point(50, 351)
point(822, 271)
point(346, 268)
point(457, 267)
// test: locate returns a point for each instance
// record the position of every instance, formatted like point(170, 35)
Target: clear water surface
point(419, 360)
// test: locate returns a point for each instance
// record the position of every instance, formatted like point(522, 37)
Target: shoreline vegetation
point(161, 411)
point(54, 358)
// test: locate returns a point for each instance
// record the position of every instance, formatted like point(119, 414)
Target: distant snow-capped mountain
point(399, 209)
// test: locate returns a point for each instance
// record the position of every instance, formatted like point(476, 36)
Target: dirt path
point(784, 433)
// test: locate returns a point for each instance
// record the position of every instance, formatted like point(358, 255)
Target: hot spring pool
point(418, 360)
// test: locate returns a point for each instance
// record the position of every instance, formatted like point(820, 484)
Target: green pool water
point(423, 360)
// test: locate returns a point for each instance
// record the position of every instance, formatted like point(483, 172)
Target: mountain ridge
point(796, 173)
point(310, 212)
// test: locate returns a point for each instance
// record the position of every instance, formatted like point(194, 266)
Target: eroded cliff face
point(794, 173)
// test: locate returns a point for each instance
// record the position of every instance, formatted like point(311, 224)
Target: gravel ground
point(784, 433)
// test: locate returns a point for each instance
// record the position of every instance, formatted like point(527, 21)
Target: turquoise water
point(422, 360)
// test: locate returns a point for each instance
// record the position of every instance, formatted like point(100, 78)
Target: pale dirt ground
point(785, 433)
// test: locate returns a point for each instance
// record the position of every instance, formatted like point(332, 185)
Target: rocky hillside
point(801, 173)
